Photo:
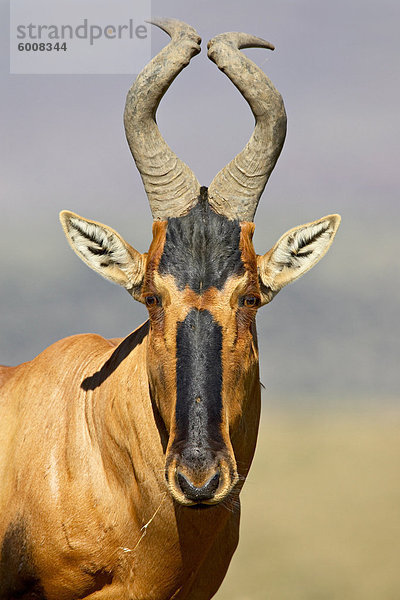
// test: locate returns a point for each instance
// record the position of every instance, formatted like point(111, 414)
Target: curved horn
point(236, 189)
point(170, 184)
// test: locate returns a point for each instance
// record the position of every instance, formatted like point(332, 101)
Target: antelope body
point(121, 461)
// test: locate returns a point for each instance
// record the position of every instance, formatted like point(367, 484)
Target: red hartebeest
point(121, 462)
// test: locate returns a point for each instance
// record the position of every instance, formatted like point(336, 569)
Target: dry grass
point(321, 511)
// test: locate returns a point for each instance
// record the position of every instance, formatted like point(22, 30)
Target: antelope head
point(201, 280)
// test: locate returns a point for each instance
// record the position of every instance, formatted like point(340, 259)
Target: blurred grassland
point(321, 510)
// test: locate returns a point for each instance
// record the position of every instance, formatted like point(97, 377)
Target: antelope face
point(201, 289)
point(201, 280)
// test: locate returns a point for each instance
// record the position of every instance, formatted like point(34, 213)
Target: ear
point(294, 254)
point(104, 250)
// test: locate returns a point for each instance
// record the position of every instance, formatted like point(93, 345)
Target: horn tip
point(173, 27)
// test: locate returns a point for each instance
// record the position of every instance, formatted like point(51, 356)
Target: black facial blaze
point(199, 385)
point(202, 248)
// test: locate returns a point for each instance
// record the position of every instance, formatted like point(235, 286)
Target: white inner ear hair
point(99, 247)
point(304, 245)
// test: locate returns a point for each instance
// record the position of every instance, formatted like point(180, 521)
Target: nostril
point(213, 484)
point(184, 483)
point(198, 494)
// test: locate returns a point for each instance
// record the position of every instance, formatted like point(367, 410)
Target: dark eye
point(251, 301)
point(152, 301)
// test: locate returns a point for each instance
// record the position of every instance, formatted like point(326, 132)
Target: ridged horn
point(171, 186)
point(236, 189)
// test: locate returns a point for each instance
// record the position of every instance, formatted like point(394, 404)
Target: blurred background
point(321, 509)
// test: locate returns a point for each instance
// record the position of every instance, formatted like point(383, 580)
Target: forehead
point(202, 249)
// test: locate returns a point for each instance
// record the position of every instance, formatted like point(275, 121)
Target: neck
point(120, 415)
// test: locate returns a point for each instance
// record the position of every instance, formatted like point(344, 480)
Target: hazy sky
point(62, 146)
